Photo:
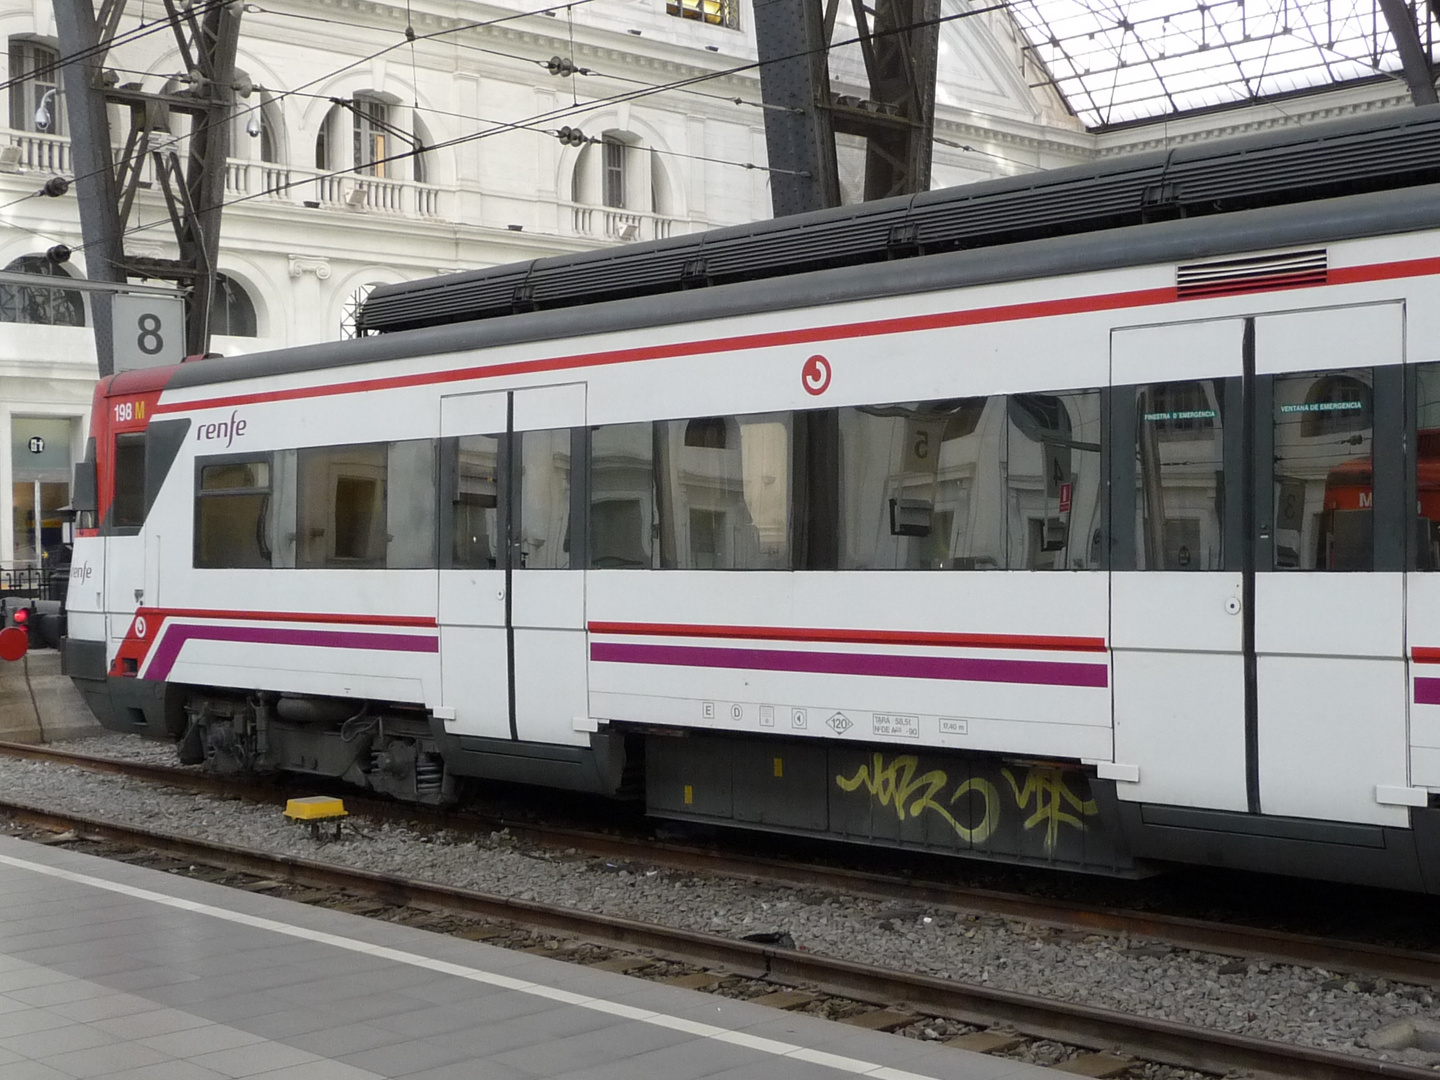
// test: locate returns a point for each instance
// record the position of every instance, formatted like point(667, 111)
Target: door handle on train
point(1232, 605)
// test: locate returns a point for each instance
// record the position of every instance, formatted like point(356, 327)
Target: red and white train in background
point(1084, 518)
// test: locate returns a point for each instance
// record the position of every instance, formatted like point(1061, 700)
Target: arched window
point(1336, 403)
point(368, 135)
point(40, 304)
point(613, 178)
point(35, 96)
point(1039, 415)
point(708, 432)
point(350, 314)
point(419, 171)
point(326, 159)
point(373, 134)
point(231, 311)
point(660, 200)
point(620, 174)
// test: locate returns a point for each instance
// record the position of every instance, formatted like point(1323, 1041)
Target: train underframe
point(985, 806)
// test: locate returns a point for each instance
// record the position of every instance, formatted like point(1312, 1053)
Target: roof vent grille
point(1226, 277)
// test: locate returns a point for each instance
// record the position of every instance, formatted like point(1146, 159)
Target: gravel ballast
point(1262, 999)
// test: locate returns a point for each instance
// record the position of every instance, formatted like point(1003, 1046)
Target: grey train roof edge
point(1329, 221)
point(1389, 150)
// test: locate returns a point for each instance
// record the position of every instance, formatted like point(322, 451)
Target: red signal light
point(21, 616)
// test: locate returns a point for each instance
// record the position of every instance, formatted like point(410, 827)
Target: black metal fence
point(33, 582)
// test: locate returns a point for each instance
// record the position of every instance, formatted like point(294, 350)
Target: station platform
point(113, 971)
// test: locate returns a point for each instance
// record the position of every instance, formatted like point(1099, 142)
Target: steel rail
point(1151, 1039)
point(1375, 961)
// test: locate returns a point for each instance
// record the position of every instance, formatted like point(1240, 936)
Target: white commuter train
point(1086, 518)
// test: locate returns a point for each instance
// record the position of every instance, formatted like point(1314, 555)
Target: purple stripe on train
point(1427, 691)
point(177, 635)
point(1034, 672)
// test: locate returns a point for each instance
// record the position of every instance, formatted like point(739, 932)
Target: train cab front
point(116, 557)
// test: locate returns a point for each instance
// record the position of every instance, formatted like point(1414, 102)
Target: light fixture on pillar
point(254, 125)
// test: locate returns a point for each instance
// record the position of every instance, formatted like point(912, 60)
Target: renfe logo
point(229, 430)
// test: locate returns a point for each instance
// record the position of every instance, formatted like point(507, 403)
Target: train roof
point(1376, 152)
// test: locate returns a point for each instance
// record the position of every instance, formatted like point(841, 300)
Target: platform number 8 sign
point(148, 331)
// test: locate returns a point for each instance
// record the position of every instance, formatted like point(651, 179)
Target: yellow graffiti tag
point(1046, 785)
point(896, 785)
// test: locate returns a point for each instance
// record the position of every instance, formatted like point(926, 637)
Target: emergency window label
point(1186, 414)
point(1323, 406)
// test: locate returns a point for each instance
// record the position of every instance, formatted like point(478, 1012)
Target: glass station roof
point(1122, 61)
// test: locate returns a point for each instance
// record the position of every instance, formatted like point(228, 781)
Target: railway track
point(1357, 958)
point(1148, 1039)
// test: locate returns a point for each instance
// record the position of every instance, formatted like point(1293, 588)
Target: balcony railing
point(342, 191)
point(49, 154)
point(267, 181)
point(609, 223)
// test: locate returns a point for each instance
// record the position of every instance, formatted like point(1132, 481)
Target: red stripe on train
point(855, 637)
point(878, 327)
point(301, 616)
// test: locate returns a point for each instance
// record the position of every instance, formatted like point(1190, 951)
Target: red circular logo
point(815, 375)
point(13, 643)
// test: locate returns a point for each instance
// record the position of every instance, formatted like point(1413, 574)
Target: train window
point(1179, 462)
point(340, 506)
point(127, 508)
point(544, 505)
point(411, 505)
point(232, 505)
point(475, 522)
point(622, 496)
point(1323, 471)
point(1427, 466)
point(919, 484)
point(725, 504)
point(1052, 481)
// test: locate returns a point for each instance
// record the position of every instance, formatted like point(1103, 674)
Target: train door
point(474, 665)
point(1258, 604)
point(512, 615)
point(1177, 631)
point(1329, 603)
point(547, 612)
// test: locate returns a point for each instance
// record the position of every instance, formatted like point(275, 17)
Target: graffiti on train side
point(895, 785)
point(1045, 796)
point(1047, 786)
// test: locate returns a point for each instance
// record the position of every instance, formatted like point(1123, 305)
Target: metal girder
point(899, 40)
point(900, 46)
point(95, 188)
point(795, 87)
point(1414, 58)
point(207, 34)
